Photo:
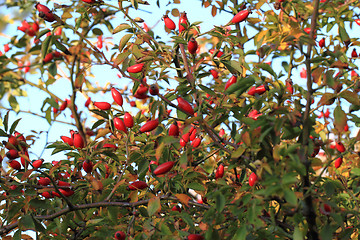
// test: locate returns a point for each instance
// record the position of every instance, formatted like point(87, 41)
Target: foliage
point(263, 123)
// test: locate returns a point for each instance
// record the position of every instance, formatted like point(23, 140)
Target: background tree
point(230, 134)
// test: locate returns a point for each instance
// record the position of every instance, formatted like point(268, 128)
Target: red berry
point(185, 106)
point(37, 163)
point(338, 162)
point(182, 142)
point(186, 137)
point(183, 21)
point(120, 235)
point(58, 31)
point(192, 134)
point(154, 89)
point(99, 42)
point(254, 114)
point(15, 164)
point(192, 46)
point(176, 208)
point(307, 30)
point(13, 140)
point(88, 101)
point(138, 185)
point(322, 42)
point(88, 1)
point(222, 132)
point(44, 181)
point(25, 159)
point(196, 142)
point(12, 154)
point(67, 140)
point(47, 195)
point(78, 141)
point(346, 128)
point(219, 53)
point(149, 126)
point(231, 81)
point(169, 23)
point(135, 68)
point(252, 179)
point(340, 147)
point(357, 21)
point(240, 16)
point(195, 237)
point(63, 184)
point(289, 86)
point(88, 166)
point(354, 53)
point(66, 192)
point(117, 97)
point(174, 130)
point(42, 8)
point(119, 124)
point(219, 172)
point(164, 168)
point(6, 48)
point(63, 105)
point(48, 57)
point(102, 105)
point(214, 73)
point(109, 145)
point(128, 120)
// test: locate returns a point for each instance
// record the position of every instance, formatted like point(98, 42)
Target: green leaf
point(121, 27)
point(62, 48)
point(45, 45)
point(343, 34)
point(52, 69)
point(207, 90)
point(240, 151)
point(14, 103)
point(356, 171)
point(97, 123)
point(298, 235)
point(3, 133)
point(124, 40)
point(100, 113)
point(196, 186)
point(267, 68)
point(13, 126)
point(135, 4)
point(351, 97)
point(153, 206)
point(240, 233)
point(220, 202)
point(327, 99)
point(26, 222)
point(340, 119)
point(6, 120)
point(290, 197)
point(97, 31)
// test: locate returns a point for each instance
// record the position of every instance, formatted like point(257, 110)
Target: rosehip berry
point(338, 162)
point(67, 140)
point(128, 120)
point(120, 235)
point(322, 42)
point(252, 179)
point(102, 105)
point(192, 46)
point(135, 68)
point(231, 81)
point(174, 130)
point(219, 172)
point(44, 181)
point(149, 126)
point(214, 73)
point(119, 124)
point(169, 23)
point(12, 154)
point(154, 89)
point(183, 22)
point(164, 168)
point(88, 166)
point(78, 141)
point(354, 53)
point(185, 106)
point(340, 147)
point(15, 164)
point(117, 97)
point(240, 16)
point(37, 163)
point(138, 185)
